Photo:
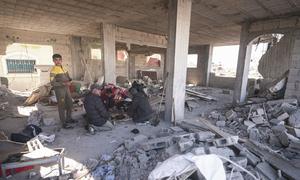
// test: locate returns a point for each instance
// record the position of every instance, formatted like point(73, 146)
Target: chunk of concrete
point(274, 141)
point(252, 158)
point(190, 136)
point(204, 135)
point(283, 116)
point(231, 115)
point(254, 134)
point(258, 120)
point(276, 122)
point(223, 151)
point(281, 132)
point(176, 129)
point(294, 119)
point(223, 142)
point(215, 115)
point(156, 143)
point(240, 160)
point(221, 123)
point(260, 111)
point(289, 108)
point(249, 124)
point(266, 170)
point(133, 142)
point(185, 144)
point(199, 151)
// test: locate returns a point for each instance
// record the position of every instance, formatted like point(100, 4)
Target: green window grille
point(20, 66)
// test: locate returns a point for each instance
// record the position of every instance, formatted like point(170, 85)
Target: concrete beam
point(177, 52)
point(109, 52)
point(240, 87)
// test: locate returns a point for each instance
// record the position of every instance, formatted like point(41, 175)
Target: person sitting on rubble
point(112, 95)
point(96, 113)
point(140, 109)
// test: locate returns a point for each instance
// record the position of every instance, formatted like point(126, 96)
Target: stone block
point(231, 115)
point(266, 170)
point(294, 119)
point(223, 142)
point(254, 134)
point(176, 129)
point(204, 135)
point(276, 122)
point(260, 111)
point(221, 123)
point(185, 144)
point(190, 136)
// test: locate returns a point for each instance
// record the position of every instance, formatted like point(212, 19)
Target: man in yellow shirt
point(60, 80)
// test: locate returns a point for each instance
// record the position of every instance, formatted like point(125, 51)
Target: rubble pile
point(136, 158)
point(275, 124)
point(8, 102)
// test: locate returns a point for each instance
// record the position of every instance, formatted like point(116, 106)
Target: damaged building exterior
point(248, 128)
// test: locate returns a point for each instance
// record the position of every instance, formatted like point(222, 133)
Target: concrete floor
point(79, 146)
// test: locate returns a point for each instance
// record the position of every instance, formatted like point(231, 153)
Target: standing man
point(60, 80)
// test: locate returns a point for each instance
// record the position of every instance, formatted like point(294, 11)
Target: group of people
point(99, 100)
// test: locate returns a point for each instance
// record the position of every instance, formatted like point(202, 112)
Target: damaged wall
point(276, 61)
point(29, 81)
point(198, 75)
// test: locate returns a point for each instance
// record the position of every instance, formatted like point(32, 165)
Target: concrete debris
point(35, 118)
point(281, 132)
point(221, 123)
point(249, 125)
point(234, 176)
point(283, 116)
point(50, 121)
point(231, 115)
point(204, 135)
point(185, 144)
point(223, 142)
point(294, 119)
point(223, 151)
point(266, 170)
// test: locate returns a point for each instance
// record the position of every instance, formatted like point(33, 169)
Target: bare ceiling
point(213, 21)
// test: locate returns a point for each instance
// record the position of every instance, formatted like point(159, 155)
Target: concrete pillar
point(77, 66)
point(177, 52)
point(242, 71)
point(208, 68)
point(131, 66)
point(109, 52)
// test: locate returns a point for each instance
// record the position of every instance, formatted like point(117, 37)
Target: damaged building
point(181, 89)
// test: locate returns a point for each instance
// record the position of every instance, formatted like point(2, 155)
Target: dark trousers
point(65, 103)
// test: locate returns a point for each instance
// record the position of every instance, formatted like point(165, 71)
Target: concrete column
point(242, 71)
point(177, 52)
point(109, 52)
point(208, 68)
point(131, 66)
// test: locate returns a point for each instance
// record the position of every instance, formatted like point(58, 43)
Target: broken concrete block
point(240, 160)
point(274, 141)
point(185, 144)
point(254, 134)
point(260, 111)
point(157, 143)
point(281, 132)
point(294, 119)
point(229, 141)
point(289, 108)
point(234, 176)
point(283, 116)
point(50, 121)
point(223, 151)
point(172, 149)
point(214, 115)
point(252, 158)
point(221, 123)
point(204, 135)
point(266, 170)
point(133, 142)
point(190, 136)
point(249, 124)
point(276, 122)
point(199, 151)
point(258, 120)
point(297, 132)
point(222, 118)
point(231, 115)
